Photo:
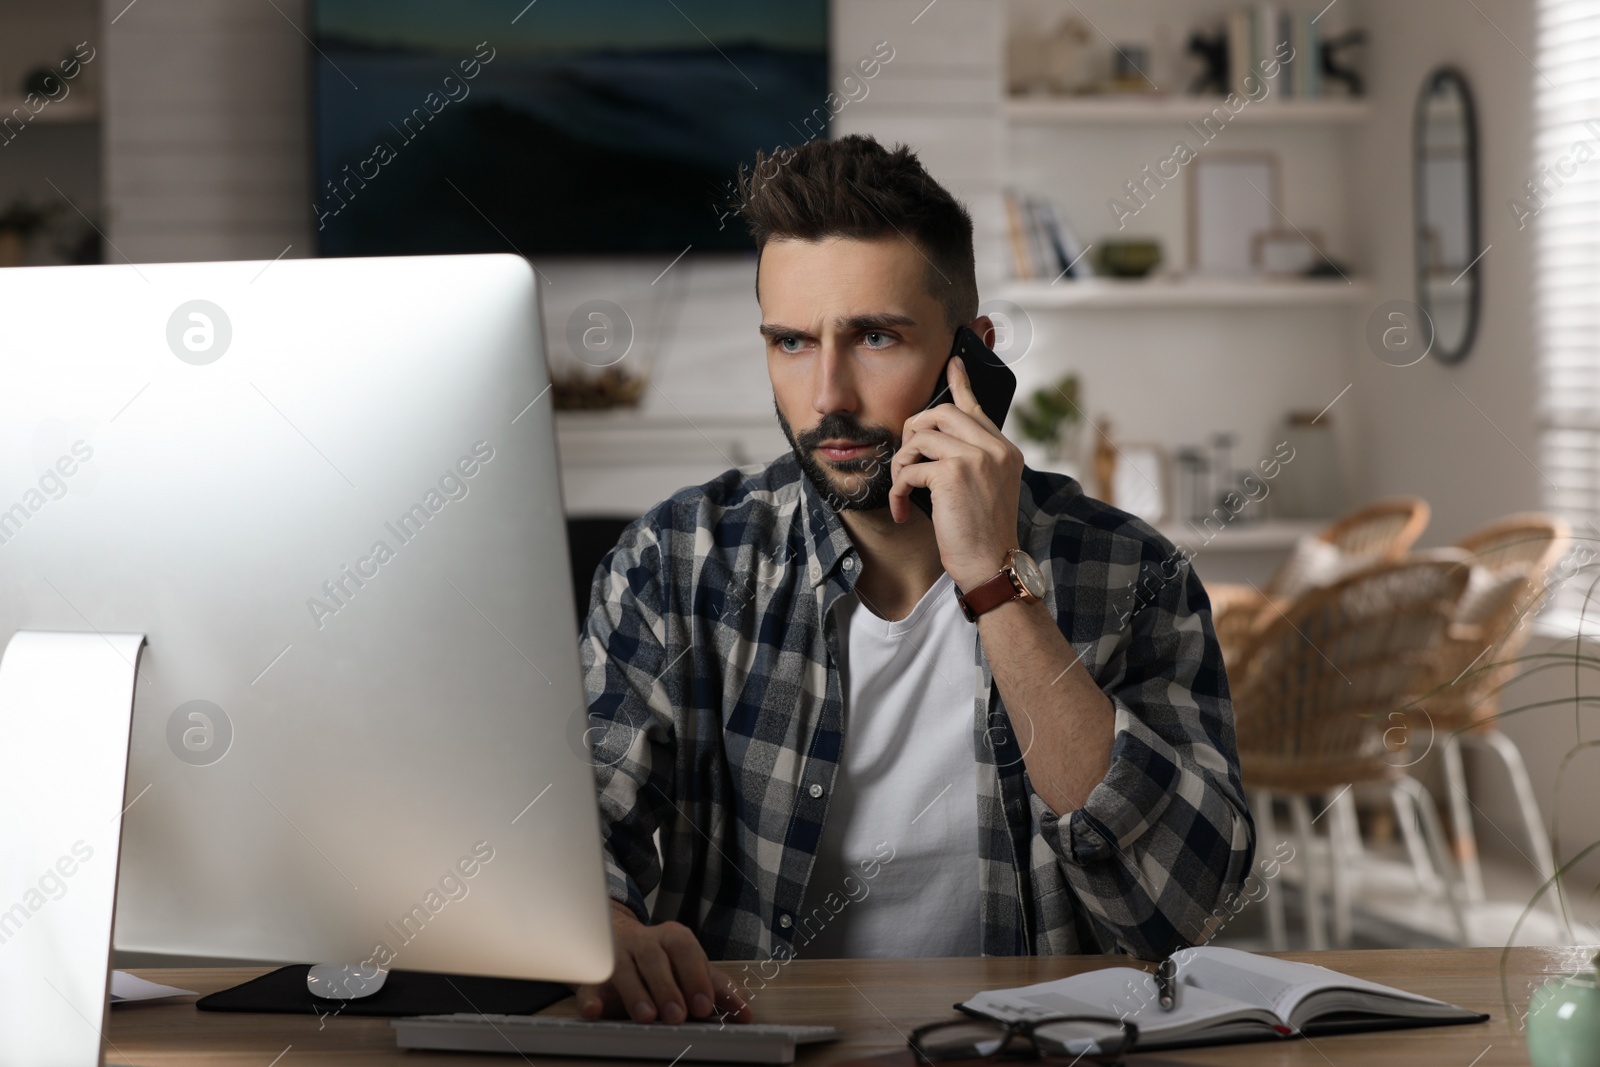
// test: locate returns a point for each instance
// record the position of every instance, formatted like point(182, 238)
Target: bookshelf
point(1075, 142)
point(1175, 359)
point(1129, 132)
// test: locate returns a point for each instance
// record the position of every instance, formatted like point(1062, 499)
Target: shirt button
point(785, 922)
point(849, 563)
point(816, 792)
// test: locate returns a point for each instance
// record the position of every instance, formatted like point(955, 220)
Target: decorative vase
point(1564, 1023)
point(1105, 463)
point(1067, 59)
point(1312, 483)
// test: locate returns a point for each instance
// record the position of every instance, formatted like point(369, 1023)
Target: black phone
point(992, 383)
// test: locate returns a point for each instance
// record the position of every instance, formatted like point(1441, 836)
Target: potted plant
point(1052, 419)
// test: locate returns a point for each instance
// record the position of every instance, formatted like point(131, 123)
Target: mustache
point(838, 426)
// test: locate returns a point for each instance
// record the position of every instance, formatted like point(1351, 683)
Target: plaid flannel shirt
point(716, 712)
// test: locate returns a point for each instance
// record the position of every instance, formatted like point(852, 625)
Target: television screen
point(565, 126)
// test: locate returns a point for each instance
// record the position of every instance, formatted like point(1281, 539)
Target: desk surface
point(873, 1001)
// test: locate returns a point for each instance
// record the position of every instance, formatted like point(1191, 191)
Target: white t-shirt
point(896, 872)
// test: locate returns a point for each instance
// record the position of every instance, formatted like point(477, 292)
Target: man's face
point(855, 342)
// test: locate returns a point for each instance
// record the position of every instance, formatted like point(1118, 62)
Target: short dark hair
point(855, 187)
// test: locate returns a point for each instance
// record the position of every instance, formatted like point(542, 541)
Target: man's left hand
point(974, 474)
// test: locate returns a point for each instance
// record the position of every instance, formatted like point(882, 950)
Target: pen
point(1167, 984)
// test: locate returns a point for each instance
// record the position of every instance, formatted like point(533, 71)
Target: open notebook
point(1225, 996)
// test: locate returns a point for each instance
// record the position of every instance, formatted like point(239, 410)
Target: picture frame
point(1232, 197)
point(1142, 483)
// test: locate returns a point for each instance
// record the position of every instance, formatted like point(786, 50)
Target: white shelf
point(69, 111)
point(628, 437)
point(1185, 292)
point(624, 462)
point(1177, 110)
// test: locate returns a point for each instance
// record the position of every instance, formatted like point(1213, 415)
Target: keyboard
point(556, 1035)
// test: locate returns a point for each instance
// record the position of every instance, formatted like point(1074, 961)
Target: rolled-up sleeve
point(1166, 836)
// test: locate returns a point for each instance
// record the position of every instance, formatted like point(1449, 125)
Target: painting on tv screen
point(559, 127)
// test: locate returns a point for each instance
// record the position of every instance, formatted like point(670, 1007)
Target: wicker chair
point(1381, 531)
point(1476, 661)
point(1312, 706)
point(1237, 611)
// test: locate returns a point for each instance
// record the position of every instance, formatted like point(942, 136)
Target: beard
point(852, 484)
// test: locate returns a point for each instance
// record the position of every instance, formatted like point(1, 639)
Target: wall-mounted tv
point(553, 127)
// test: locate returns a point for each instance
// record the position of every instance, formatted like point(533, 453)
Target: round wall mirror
point(1449, 285)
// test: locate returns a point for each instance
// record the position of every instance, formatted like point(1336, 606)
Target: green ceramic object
point(1129, 259)
point(1564, 1023)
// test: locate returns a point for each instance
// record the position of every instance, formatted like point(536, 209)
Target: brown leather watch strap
point(988, 596)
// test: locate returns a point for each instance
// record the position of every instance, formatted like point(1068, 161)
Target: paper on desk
point(125, 986)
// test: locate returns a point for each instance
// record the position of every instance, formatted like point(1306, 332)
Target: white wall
point(1420, 430)
point(1467, 437)
point(940, 94)
point(207, 133)
point(1546, 735)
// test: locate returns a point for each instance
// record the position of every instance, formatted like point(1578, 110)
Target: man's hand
point(975, 477)
point(661, 973)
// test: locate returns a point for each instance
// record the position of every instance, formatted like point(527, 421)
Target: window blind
point(1560, 204)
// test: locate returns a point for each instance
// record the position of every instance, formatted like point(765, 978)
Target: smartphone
point(992, 383)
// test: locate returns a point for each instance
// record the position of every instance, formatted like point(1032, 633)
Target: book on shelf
point(1256, 38)
point(1064, 243)
point(1040, 248)
point(1225, 996)
point(1308, 68)
point(1265, 35)
point(1241, 46)
point(1021, 261)
point(1043, 245)
point(1286, 76)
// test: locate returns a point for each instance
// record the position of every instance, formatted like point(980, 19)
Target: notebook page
point(1278, 985)
point(1054, 997)
point(1118, 992)
point(1235, 974)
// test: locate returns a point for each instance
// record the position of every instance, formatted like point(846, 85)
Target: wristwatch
point(1020, 579)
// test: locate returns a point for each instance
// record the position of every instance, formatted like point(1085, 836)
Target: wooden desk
point(871, 1000)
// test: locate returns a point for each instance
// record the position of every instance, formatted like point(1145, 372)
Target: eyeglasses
point(1097, 1039)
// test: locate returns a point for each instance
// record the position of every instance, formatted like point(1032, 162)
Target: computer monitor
point(327, 492)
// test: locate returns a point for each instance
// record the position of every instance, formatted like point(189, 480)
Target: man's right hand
point(661, 973)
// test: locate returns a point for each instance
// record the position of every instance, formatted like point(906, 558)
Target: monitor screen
point(327, 493)
point(568, 127)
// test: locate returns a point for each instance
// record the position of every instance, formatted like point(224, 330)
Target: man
point(785, 686)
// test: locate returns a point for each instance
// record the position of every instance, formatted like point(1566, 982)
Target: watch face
point(1028, 574)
